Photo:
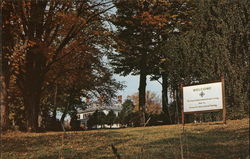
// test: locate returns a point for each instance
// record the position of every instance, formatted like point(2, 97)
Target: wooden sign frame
point(215, 110)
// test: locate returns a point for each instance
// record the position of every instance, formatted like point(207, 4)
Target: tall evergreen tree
point(222, 35)
point(178, 15)
point(216, 46)
point(136, 38)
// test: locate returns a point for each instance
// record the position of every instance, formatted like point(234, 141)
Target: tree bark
point(165, 108)
point(4, 105)
point(142, 94)
point(55, 106)
point(7, 42)
point(177, 104)
point(32, 109)
point(31, 83)
point(44, 116)
point(32, 95)
point(64, 113)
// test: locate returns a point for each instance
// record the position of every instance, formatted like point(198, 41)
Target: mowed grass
point(199, 141)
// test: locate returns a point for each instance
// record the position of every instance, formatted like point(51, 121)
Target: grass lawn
point(200, 141)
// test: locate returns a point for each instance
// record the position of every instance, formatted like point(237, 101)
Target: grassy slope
point(206, 140)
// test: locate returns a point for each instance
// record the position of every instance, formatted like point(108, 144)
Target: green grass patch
point(206, 140)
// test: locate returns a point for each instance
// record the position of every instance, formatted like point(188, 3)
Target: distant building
point(84, 115)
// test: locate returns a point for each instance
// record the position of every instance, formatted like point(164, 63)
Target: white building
point(83, 116)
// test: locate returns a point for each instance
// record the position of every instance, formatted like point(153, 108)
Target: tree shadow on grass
point(50, 146)
point(199, 143)
point(102, 152)
point(228, 144)
point(22, 144)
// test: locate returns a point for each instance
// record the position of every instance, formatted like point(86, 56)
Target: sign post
point(182, 113)
point(209, 97)
point(224, 101)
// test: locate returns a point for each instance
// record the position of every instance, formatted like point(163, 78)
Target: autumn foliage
point(55, 53)
point(53, 44)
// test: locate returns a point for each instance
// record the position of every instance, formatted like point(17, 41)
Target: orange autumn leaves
point(147, 19)
point(154, 20)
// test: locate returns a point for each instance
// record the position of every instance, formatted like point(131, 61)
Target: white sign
point(203, 97)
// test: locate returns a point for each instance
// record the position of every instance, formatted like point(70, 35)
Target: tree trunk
point(32, 93)
point(64, 113)
point(44, 115)
point(177, 104)
point(54, 113)
point(4, 105)
point(32, 81)
point(55, 106)
point(32, 108)
point(8, 42)
point(165, 108)
point(142, 93)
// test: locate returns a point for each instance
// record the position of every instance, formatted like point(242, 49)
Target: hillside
point(203, 140)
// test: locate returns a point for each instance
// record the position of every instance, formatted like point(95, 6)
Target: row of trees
point(53, 53)
point(100, 118)
point(185, 42)
point(52, 57)
point(128, 116)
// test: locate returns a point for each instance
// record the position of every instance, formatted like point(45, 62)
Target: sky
point(132, 82)
point(132, 85)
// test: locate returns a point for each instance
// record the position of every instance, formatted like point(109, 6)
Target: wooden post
point(223, 100)
point(182, 113)
point(183, 121)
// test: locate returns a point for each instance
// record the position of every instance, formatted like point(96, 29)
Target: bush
point(156, 119)
point(54, 125)
point(97, 118)
point(74, 123)
point(110, 118)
